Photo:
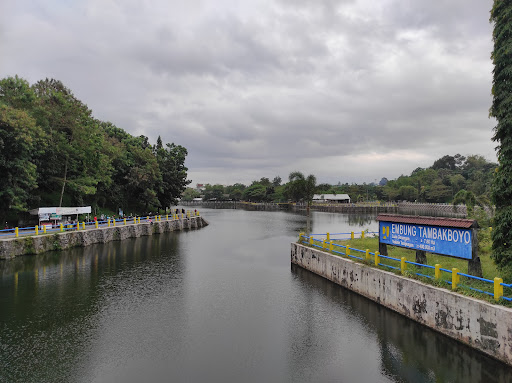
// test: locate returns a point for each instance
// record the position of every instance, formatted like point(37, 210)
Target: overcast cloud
point(348, 90)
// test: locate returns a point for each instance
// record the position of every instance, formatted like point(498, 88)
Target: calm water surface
point(219, 304)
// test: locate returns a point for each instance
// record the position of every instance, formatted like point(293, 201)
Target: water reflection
point(215, 304)
point(409, 352)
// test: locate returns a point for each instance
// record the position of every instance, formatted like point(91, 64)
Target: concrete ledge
point(478, 324)
point(13, 247)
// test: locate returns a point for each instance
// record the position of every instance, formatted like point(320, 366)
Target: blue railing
point(326, 244)
point(44, 229)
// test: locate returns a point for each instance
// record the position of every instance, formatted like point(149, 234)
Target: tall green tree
point(501, 109)
point(21, 141)
point(301, 188)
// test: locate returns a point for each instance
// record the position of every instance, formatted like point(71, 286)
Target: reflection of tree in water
point(361, 220)
point(410, 352)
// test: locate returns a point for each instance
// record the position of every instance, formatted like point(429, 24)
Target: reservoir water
point(218, 304)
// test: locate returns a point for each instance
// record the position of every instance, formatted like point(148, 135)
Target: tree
point(214, 192)
point(277, 181)
point(171, 162)
point(300, 188)
point(255, 193)
point(21, 140)
point(501, 109)
point(468, 198)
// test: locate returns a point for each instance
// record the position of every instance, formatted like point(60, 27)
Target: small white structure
point(55, 214)
point(331, 198)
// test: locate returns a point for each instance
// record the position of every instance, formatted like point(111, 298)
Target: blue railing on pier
point(111, 222)
point(326, 244)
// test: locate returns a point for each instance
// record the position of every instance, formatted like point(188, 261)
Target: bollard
point(167, 217)
point(362, 234)
point(498, 288)
point(16, 233)
point(44, 229)
point(61, 227)
point(347, 251)
point(124, 219)
point(310, 240)
point(438, 271)
point(331, 246)
point(96, 224)
point(37, 230)
point(367, 254)
point(377, 258)
point(114, 222)
point(108, 222)
point(83, 225)
point(328, 237)
point(455, 278)
point(351, 235)
point(78, 225)
point(403, 265)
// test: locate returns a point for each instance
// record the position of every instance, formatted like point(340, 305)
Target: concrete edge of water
point(478, 324)
point(13, 247)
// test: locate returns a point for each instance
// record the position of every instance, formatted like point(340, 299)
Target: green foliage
point(300, 188)
point(501, 110)
point(53, 150)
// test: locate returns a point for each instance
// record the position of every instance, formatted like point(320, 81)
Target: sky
point(347, 90)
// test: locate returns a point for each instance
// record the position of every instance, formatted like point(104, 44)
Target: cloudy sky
point(348, 90)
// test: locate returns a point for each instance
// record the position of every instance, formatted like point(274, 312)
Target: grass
point(466, 285)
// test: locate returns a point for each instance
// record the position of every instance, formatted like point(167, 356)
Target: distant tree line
point(449, 179)
point(53, 152)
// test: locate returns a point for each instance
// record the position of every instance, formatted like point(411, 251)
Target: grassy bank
point(467, 286)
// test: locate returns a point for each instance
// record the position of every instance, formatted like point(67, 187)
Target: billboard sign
point(455, 242)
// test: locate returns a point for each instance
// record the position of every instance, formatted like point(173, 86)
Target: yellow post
point(108, 222)
point(147, 218)
point(498, 288)
point(352, 235)
point(331, 246)
point(328, 237)
point(438, 271)
point(323, 244)
point(167, 217)
point(310, 240)
point(16, 233)
point(367, 254)
point(114, 221)
point(362, 234)
point(83, 225)
point(124, 219)
point(44, 229)
point(61, 227)
point(403, 264)
point(377, 258)
point(347, 251)
point(455, 278)
point(96, 224)
point(37, 230)
point(78, 225)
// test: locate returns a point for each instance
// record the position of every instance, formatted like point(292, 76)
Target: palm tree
point(301, 188)
point(468, 198)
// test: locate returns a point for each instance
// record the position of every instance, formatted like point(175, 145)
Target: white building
point(331, 198)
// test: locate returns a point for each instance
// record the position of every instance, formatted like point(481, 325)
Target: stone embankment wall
point(13, 247)
point(478, 324)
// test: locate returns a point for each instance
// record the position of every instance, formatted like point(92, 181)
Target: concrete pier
point(13, 247)
point(481, 325)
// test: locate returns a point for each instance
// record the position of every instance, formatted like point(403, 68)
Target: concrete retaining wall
point(478, 324)
point(13, 247)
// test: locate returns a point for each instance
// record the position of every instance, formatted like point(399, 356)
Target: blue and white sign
point(432, 239)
